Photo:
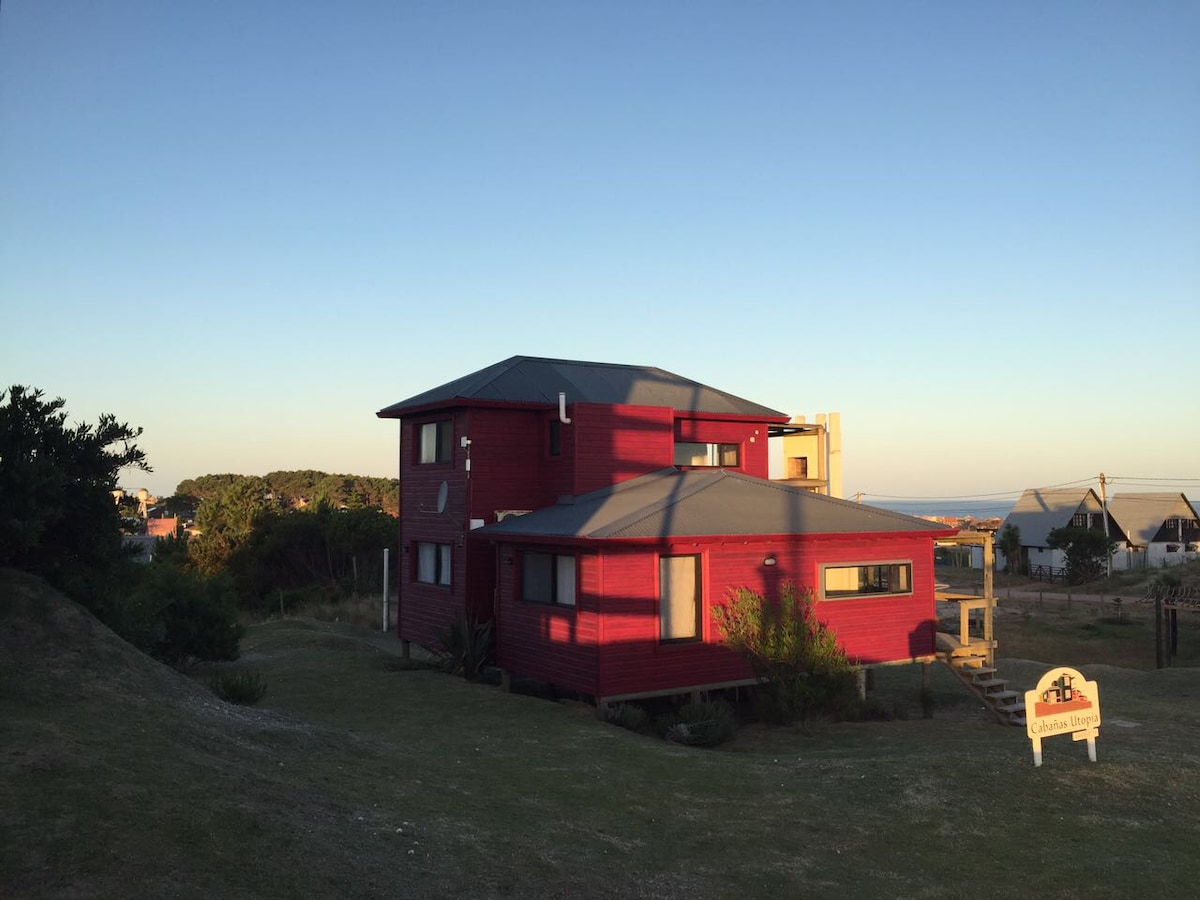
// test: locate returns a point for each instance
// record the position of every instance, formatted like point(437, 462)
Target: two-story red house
point(596, 513)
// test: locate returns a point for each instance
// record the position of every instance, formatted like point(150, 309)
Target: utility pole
point(1104, 507)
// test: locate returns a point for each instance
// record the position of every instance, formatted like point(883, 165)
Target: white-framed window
point(680, 598)
point(434, 441)
point(548, 578)
point(433, 563)
point(870, 579)
point(695, 453)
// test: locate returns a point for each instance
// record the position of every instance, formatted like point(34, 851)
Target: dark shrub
point(700, 723)
point(176, 615)
point(244, 687)
point(631, 717)
point(465, 647)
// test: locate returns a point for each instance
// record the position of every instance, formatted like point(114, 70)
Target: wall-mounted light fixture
point(769, 561)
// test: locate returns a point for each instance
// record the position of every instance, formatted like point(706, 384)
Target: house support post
point(860, 682)
point(989, 594)
point(1158, 632)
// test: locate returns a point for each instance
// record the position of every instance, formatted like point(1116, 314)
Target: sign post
point(1063, 702)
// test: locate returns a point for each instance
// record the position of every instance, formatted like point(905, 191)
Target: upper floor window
point(434, 441)
point(693, 453)
point(548, 578)
point(433, 563)
point(867, 579)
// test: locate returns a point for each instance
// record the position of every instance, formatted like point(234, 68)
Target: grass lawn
point(356, 777)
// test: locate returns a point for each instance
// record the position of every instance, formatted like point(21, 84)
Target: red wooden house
point(596, 513)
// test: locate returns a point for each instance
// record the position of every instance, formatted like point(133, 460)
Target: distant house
point(597, 513)
point(140, 547)
point(1161, 529)
point(1040, 510)
point(167, 526)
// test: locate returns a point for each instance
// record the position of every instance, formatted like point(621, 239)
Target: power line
point(1140, 478)
point(1014, 493)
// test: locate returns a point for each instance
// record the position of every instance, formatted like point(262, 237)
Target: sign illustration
point(1063, 702)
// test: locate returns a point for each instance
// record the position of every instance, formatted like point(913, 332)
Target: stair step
point(990, 686)
point(948, 643)
point(971, 664)
point(957, 664)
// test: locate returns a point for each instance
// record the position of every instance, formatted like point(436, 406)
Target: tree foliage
point(57, 515)
point(304, 487)
point(1086, 551)
point(175, 614)
point(318, 546)
point(58, 519)
point(1009, 544)
point(225, 520)
point(786, 645)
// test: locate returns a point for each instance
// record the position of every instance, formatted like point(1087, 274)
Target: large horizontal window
point(433, 563)
point(548, 578)
point(434, 441)
point(868, 579)
point(692, 453)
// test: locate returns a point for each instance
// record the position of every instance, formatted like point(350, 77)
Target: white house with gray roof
point(1041, 510)
point(1161, 529)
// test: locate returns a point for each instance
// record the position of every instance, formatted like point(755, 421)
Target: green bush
point(803, 667)
point(173, 614)
point(700, 723)
point(465, 647)
point(244, 687)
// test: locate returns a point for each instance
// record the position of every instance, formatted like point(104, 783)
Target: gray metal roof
point(529, 379)
point(674, 503)
point(1040, 509)
point(1140, 516)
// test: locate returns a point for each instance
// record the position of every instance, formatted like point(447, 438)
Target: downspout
point(562, 408)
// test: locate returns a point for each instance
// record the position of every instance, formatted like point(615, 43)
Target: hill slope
point(121, 778)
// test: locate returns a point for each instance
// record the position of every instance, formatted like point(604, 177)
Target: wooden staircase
point(972, 659)
point(972, 664)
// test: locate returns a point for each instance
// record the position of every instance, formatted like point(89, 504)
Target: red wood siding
point(426, 608)
point(509, 459)
point(556, 644)
point(633, 659)
point(616, 443)
point(871, 629)
point(617, 617)
point(751, 437)
point(888, 628)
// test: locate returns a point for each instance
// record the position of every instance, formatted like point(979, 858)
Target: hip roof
point(536, 380)
point(674, 503)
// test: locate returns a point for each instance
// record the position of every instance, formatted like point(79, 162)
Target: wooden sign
point(1063, 702)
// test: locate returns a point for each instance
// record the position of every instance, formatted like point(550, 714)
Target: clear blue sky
point(971, 228)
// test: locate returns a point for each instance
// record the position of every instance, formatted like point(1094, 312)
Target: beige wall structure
point(812, 453)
